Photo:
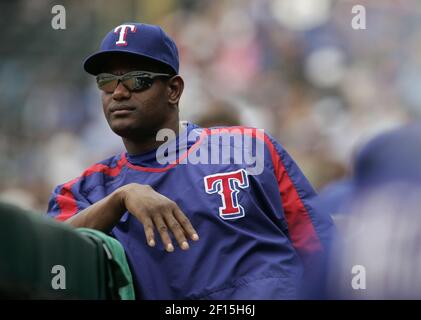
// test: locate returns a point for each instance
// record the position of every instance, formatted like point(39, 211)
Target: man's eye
point(105, 81)
point(143, 82)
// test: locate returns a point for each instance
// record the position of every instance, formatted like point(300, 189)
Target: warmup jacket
point(257, 230)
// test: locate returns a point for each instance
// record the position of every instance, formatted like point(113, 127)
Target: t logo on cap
point(123, 33)
point(146, 41)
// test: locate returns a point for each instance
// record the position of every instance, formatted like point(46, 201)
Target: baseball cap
point(394, 155)
point(135, 39)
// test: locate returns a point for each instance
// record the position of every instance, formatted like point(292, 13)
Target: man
point(256, 230)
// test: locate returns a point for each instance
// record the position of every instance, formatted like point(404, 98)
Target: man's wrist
point(118, 199)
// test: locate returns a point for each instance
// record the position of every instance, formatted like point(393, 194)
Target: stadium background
point(295, 68)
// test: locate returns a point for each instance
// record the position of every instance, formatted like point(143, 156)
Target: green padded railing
point(32, 244)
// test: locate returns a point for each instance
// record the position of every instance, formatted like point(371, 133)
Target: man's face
point(132, 114)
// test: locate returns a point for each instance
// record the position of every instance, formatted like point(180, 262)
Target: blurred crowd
point(294, 68)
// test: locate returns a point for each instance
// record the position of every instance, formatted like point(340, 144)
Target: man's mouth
point(121, 109)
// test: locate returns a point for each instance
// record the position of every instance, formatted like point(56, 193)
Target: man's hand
point(154, 210)
point(151, 208)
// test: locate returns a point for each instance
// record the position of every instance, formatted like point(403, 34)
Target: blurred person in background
point(380, 221)
point(220, 114)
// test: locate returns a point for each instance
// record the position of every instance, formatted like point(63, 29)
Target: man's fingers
point(185, 223)
point(163, 231)
point(177, 230)
point(149, 233)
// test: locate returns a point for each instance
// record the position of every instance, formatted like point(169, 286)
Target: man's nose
point(121, 92)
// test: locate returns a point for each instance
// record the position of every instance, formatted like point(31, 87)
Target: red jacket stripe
point(66, 200)
point(303, 235)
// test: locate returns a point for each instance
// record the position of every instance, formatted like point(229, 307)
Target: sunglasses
point(133, 81)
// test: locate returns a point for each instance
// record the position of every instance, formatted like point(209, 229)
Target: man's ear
point(175, 89)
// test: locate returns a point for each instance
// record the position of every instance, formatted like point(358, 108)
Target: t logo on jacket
point(227, 186)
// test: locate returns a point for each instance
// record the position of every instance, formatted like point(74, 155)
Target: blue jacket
point(257, 231)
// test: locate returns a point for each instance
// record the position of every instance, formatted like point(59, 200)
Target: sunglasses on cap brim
point(133, 81)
